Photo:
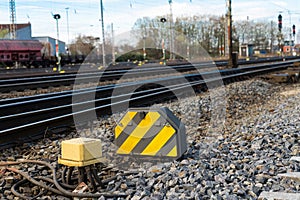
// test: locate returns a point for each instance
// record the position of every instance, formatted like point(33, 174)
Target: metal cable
point(69, 174)
point(63, 175)
point(60, 190)
point(35, 182)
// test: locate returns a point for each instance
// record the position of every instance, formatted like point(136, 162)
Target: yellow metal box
point(81, 152)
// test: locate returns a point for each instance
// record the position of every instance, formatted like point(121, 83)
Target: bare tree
point(208, 32)
point(82, 45)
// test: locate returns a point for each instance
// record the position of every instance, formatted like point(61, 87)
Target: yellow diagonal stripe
point(159, 141)
point(173, 152)
point(124, 122)
point(138, 133)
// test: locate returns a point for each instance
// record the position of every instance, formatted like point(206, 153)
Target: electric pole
point(103, 35)
point(171, 30)
point(272, 37)
point(290, 28)
point(144, 44)
point(67, 9)
point(231, 63)
point(12, 27)
point(113, 44)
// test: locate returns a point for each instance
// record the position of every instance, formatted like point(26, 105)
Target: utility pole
point(144, 44)
point(231, 63)
point(103, 35)
point(272, 37)
point(12, 27)
point(291, 28)
point(171, 30)
point(67, 9)
point(113, 44)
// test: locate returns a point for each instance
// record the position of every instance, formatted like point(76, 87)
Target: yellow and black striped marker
point(150, 132)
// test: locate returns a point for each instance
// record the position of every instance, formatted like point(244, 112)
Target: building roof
point(18, 26)
point(20, 45)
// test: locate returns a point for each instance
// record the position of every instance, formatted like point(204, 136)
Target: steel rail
point(63, 113)
point(20, 84)
point(206, 73)
point(10, 106)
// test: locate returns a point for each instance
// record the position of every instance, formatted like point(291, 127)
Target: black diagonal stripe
point(148, 137)
point(167, 147)
point(130, 127)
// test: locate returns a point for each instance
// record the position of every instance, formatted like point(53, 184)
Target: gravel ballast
point(237, 160)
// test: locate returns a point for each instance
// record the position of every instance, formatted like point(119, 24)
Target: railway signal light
point(280, 22)
point(56, 16)
point(294, 30)
point(163, 20)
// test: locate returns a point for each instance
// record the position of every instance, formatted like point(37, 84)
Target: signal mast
point(12, 27)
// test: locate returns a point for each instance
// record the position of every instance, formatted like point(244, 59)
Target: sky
point(84, 15)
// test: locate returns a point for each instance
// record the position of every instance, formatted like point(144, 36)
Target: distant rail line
point(23, 81)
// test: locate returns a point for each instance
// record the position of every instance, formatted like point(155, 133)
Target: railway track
point(38, 80)
point(27, 118)
point(20, 84)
